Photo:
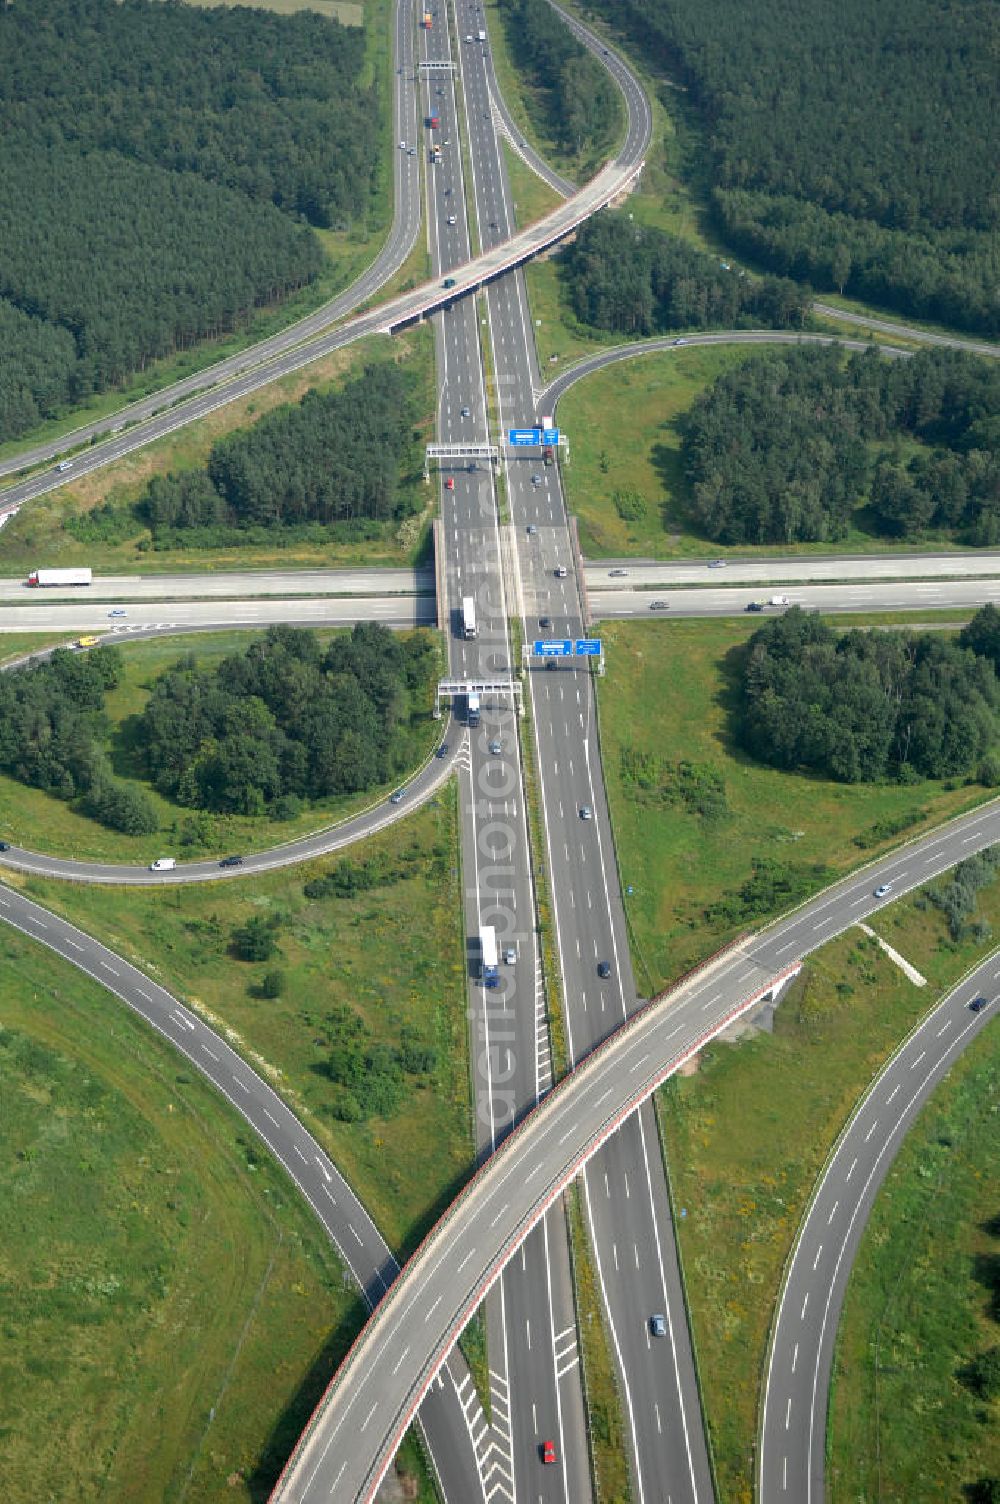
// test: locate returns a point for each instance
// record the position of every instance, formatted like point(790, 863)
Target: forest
point(179, 155)
point(577, 104)
point(288, 720)
point(53, 730)
point(854, 146)
point(638, 280)
point(333, 458)
point(859, 706)
point(798, 447)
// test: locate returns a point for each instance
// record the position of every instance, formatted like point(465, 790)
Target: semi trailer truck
point(41, 577)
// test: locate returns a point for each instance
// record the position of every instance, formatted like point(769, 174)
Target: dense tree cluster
point(864, 706)
point(52, 733)
point(272, 106)
point(287, 717)
point(155, 145)
point(169, 260)
point(639, 280)
point(334, 457)
point(574, 96)
point(370, 1076)
point(785, 448)
point(854, 145)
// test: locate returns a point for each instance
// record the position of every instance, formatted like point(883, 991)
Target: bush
point(256, 940)
point(272, 984)
point(122, 808)
point(629, 504)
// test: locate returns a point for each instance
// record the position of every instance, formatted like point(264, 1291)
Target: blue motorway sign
point(524, 436)
point(555, 647)
point(588, 647)
point(550, 436)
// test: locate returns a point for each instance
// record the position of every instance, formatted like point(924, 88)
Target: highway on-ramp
point(792, 1447)
point(356, 1428)
point(342, 1215)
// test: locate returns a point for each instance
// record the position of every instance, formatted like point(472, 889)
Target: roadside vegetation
point(122, 753)
point(106, 509)
point(824, 178)
point(743, 1194)
point(915, 1409)
point(573, 108)
point(710, 840)
point(103, 129)
point(343, 981)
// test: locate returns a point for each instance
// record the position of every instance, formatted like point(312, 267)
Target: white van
point(163, 864)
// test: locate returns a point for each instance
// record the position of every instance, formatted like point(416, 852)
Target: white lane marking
point(895, 1089)
point(462, 1265)
point(833, 1213)
point(326, 1173)
point(795, 1356)
point(433, 1308)
point(871, 1130)
point(802, 1313)
point(210, 1053)
point(918, 1060)
point(241, 1084)
point(819, 1255)
point(399, 1360)
point(113, 970)
point(851, 1170)
point(300, 1154)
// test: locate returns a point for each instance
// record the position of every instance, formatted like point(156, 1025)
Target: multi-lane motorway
point(398, 1355)
point(517, 571)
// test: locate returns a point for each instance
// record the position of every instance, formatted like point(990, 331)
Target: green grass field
point(530, 196)
point(622, 429)
point(30, 817)
point(170, 1309)
point(743, 1192)
point(670, 691)
point(395, 955)
point(922, 1302)
point(38, 535)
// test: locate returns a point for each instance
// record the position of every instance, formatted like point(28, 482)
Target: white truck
point(482, 36)
point(472, 708)
point(40, 577)
point(490, 967)
point(468, 618)
point(779, 600)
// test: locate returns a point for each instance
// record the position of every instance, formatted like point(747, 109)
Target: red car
point(449, 484)
point(548, 1451)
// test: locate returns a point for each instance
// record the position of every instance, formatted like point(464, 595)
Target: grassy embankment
point(624, 432)
point(348, 252)
point(38, 535)
point(922, 1303)
point(30, 817)
point(170, 1336)
point(669, 690)
point(393, 955)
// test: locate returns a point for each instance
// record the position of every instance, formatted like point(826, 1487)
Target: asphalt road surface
point(887, 596)
point(355, 1432)
point(342, 1215)
point(792, 1448)
point(88, 616)
point(243, 584)
point(637, 574)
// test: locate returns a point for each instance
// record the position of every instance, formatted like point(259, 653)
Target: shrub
point(256, 940)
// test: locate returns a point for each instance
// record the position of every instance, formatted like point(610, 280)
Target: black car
point(754, 606)
point(603, 969)
point(978, 1004)
point(442, 751)
point(544, 622)
point(4, 845)
point(231, 861)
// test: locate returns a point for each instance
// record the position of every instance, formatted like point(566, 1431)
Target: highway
point(388, 318)
point(535, 1386)
point(342, 1215)
point(792, 1442)
point(397, 1356)
point(83, 614)
point(237, 584)
point(402, 237)
point(637, 574)
point(963, 595)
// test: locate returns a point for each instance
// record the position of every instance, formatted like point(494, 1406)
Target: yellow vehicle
point(88, 642)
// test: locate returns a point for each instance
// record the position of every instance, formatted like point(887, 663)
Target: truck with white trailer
point(469, 628)
point(41, 577)
point(489, 963)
